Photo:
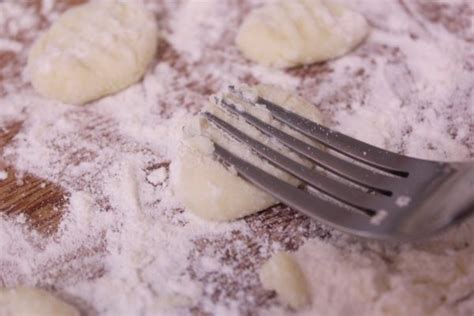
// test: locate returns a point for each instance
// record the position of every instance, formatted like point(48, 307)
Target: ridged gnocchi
point(289, 33)
point(93, 50)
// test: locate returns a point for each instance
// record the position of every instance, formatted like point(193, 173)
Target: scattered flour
point(124, 245)
point(157, 176)
point(379, 217)
point(3, 175)
point(403, 201)
point(9, 45)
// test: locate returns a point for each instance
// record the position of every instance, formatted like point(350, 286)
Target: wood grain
point(40, 201)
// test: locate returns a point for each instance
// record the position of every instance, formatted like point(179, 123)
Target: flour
point(124, 245)
point(402, 201)
point(379, 217)
point(186, 37)
point(157, 176)
point(3, 175)
point(9, 45)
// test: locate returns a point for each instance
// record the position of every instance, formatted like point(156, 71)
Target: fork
point(364, 190)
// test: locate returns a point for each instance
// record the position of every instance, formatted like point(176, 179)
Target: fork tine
point(351, 147)
point(311, 205)
point(362, 176)
point(336, 189)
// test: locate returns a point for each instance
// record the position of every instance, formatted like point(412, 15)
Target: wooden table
point(43, 202)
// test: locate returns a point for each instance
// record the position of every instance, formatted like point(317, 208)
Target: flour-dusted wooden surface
point(42, 202)
point(39, 200)
point(97, 140)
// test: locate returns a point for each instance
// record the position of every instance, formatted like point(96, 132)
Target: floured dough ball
point(288, 33)
point(215, 192)
point(93, 50)
point(282, 274)
point(24, 301)
point(210, 190)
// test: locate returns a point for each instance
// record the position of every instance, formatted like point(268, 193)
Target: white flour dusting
point(125, 247)
point(402, 201)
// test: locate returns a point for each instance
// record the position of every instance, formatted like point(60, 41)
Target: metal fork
point(382, 195)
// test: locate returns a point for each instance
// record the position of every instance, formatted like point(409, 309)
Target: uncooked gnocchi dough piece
point(93, 50)
point(288, 33)
point(24, 301)
point(214, 192)
point(282, 274)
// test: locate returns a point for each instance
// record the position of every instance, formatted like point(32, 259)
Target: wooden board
point(43, 203)
point(40, 201)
